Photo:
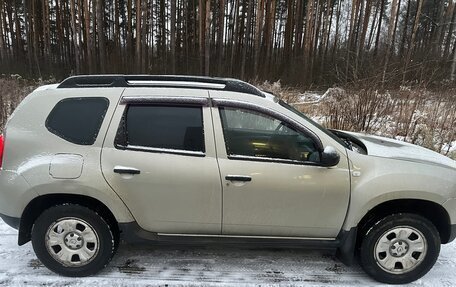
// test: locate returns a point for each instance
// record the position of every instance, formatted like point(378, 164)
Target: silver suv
point(96, 159)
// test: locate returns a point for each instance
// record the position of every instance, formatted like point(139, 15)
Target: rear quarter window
point(78, 120)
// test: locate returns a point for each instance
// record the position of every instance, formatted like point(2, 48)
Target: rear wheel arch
point(35, 207)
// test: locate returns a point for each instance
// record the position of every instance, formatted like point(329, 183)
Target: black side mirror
point(329, 157)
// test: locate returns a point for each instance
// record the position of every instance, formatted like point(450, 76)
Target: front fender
point(376, 180)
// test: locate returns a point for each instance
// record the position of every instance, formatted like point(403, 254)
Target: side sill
point(133, 233)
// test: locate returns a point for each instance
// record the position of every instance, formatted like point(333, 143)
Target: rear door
point(159, 157)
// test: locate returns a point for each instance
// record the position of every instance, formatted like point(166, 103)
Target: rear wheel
point(400, 248)
point(73, 240)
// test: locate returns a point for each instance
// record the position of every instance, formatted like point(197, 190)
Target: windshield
point(297, 112)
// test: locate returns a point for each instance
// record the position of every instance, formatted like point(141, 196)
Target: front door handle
point(126, 170)
point(238, 178)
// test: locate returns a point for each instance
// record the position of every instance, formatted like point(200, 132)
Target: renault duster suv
point(96, 159)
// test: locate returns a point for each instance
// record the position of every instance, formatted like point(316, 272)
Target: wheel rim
point(400, 249)
point(72, 242)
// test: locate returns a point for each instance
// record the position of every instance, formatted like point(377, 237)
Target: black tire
point(382, 228)
point(104, 248)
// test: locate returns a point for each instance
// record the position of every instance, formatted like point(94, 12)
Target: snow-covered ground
point(148, 265)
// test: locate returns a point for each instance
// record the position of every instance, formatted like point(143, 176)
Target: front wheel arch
point(351, 239)
point(432, 211)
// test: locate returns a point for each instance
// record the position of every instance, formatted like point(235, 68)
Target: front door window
point(252, 134)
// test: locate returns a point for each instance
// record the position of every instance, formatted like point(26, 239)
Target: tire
point(72, 240)
point(399, 248)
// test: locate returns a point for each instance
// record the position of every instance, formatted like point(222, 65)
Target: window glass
point(169, 127)
point(78, 120)
point(249, 133)
point(302, 115)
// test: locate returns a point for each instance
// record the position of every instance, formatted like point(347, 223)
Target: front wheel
point(73, 240)
point(400, 248)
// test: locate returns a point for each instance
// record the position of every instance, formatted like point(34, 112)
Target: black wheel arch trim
point(35, 207)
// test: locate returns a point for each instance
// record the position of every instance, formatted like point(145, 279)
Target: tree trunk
point(145, 18)
point(308, 37)
point(201, 32)
point(235, 36)
point(2, 45)
point(101, 35)
point(436, 37)
point(117, 35)
point(404, 33)
point(173, 36)
point(453, 67)
point(129, 25)
point(450, 30)
point(271, 29)
point(299, 26)
point(138, 37)
point(87, 35)
point(336, 35)
point(247, 38)
point(221, 28)
point(74, 35)
point(28, 37)
point(390, 40)
point(258, 30)
point(412, 40)
point(207, 46)
point(380, 18)
point(362, 38)
point(163, 50)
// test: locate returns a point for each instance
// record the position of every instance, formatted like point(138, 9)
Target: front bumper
point(11, 221)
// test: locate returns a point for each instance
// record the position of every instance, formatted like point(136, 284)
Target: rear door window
point(164, 127)
point(78, 120)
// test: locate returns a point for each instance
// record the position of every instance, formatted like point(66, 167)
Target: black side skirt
point(344, 243)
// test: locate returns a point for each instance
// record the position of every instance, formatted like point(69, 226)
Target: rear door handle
point(238, 178)
point(126, 170)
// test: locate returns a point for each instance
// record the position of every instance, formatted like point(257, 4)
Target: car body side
point(30, 148)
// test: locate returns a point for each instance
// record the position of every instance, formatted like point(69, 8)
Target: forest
point(388, 66)
point(316, 43)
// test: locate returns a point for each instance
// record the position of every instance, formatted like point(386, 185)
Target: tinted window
point(249, 133)
point(78, 120)
point(169, 127)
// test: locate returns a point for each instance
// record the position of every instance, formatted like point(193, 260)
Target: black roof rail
point(225, 84)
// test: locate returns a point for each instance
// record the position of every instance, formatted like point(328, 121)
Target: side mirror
point(329, 157)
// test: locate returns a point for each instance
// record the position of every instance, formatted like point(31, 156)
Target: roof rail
point(195, 82)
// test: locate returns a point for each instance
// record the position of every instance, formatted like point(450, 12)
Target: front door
point(272, 183)
point(159, 157)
